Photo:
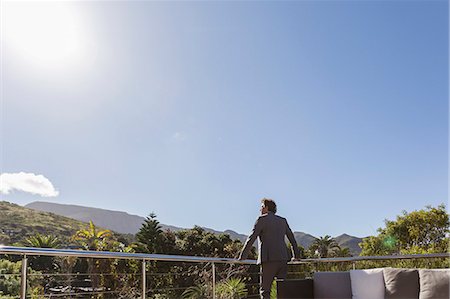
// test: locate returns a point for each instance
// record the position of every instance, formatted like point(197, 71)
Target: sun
point(43, 34)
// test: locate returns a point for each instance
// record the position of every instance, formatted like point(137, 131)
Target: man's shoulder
point(280, 218)
point(272, 216)
point(262, 217)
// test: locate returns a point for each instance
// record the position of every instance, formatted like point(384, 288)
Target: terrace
point(137, 277)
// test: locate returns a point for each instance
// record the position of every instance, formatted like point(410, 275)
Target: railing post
point(144, 282)
point(214, 280)
point(354, 264)
point(23, 278)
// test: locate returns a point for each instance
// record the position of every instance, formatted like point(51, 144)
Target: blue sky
point(338, 110)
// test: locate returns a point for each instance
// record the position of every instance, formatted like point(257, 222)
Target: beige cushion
point(367, 284)
point(434, 283)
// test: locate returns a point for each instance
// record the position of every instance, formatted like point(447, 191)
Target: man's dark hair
point(269, 204)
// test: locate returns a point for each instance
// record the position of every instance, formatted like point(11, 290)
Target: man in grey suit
point(272, 250)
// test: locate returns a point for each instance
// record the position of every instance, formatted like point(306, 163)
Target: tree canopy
point(423, 231)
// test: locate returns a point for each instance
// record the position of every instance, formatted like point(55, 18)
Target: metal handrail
point(32, 251)
point(117, 255)
point(195, 259)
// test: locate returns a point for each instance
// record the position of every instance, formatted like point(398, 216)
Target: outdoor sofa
point(380, 283)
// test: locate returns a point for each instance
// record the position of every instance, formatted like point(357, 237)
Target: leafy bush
point(9, 278)
point(232, 288)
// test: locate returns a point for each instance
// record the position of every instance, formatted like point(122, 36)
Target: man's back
point(271, 230)
point(272, 236)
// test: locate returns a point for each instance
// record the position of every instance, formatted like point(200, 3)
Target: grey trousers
point(270, 270)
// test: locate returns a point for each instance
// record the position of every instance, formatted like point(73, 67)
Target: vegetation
point(92, 238)
point(325, 247)
point(423, 231)
point(201, 291)
point(42, 263)
point(192, 278)
point(10, 280)
point(150, 236)
point(42, 241)
point(232, 288)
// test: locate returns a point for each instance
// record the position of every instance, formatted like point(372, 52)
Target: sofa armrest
point(295, 289)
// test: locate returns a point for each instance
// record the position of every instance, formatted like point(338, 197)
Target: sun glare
point(44, 35)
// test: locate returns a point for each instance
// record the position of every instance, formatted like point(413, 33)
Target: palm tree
point(42, 241)
point(91, 238)
point(42, 263)
point(324, 246)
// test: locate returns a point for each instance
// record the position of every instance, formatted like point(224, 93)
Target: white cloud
point(27, 182)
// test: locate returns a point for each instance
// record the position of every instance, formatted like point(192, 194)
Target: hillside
point(120, 222)
point(17, 223)
point(123, 222)
point(304, 239)
point(350, 242)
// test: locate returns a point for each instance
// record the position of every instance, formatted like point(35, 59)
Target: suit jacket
point(271, 230)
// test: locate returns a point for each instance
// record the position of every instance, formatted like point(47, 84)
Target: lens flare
point(45, 35)
point(390, 242)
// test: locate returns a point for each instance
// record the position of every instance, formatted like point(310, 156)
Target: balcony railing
point(26, 252)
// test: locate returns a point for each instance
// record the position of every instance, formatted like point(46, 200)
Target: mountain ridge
point(123, 222)
point(18, 222)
